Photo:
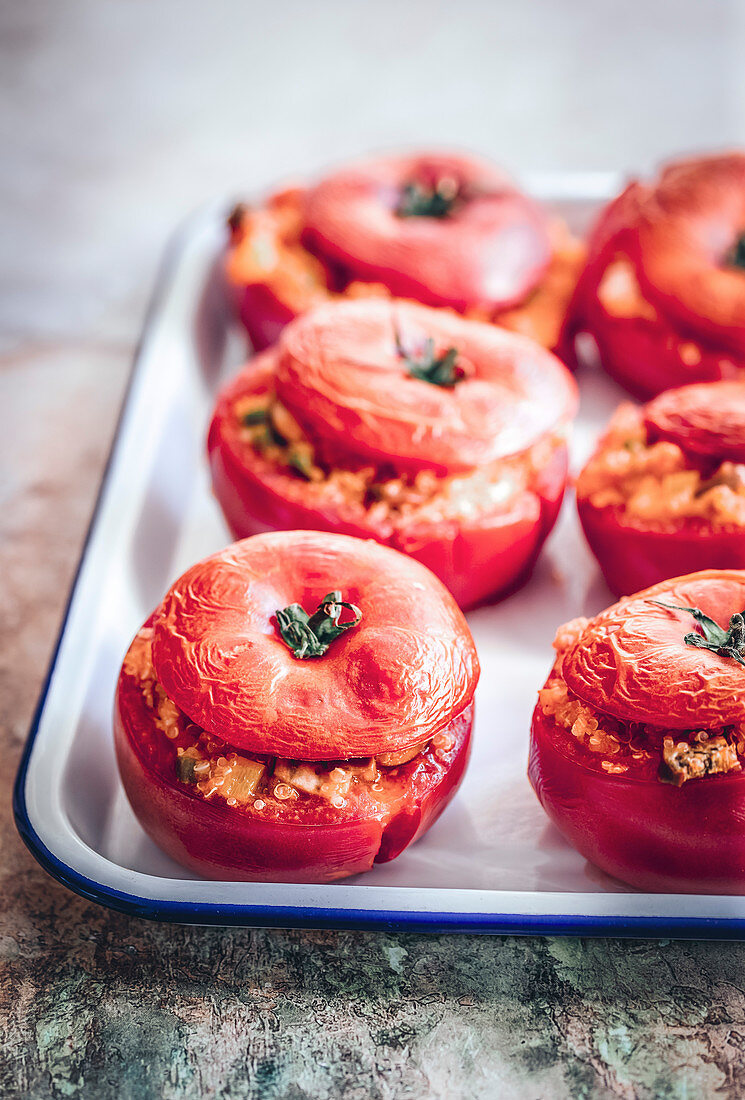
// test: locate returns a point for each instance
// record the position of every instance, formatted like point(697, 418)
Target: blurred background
point(117, 118)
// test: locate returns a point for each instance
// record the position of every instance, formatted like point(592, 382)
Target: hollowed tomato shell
point(477, 557)
point(340, 371)
point(632, 557)
point(633, 663)
point(490, 252)
point(223, 842)
point(654, 836)
point(401, 675)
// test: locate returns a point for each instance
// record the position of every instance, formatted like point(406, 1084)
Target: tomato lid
point(396, 678)
point(442, 229)
point(707, 419)
point(349, 371)
point(633, 662)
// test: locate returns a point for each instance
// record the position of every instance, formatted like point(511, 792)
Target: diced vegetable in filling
point(683, 760)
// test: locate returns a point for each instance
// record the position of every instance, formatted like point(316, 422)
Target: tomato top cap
point(424, 388)
point(706, 420)
point(633, 660)
point(395, 677)
point(440, 228)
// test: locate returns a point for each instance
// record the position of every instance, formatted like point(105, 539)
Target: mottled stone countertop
point(115, 120)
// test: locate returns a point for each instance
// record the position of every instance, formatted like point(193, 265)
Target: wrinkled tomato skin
point(220, 842)
point(632, 558)
point(477, 559)
point(651, 835)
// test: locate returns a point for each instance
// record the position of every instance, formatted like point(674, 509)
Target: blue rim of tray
point(296, 916)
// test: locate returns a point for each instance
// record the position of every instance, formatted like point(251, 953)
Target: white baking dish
point(492, 862)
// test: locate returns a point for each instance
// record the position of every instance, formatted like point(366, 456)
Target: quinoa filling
point(658, 482)
point(213, 770)
point(268, 248)
point(386, 496)
point(616, 747)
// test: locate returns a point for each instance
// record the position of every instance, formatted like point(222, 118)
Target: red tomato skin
point(262, 313)
point(632, 558)
point(218, 842)
point(651, 835)
point(645, 358)
point(489, 253)
point(477, 559)
point(648, 355)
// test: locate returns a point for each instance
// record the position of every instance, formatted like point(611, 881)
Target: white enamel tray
point(492, 863)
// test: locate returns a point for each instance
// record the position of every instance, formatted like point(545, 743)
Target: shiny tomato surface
point(632, 667)
point(707, 422)
point(338, 372)
point(674, 242)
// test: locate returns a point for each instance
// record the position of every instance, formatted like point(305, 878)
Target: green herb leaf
point(255, 416)
point(185, 766)
point(311, 635)
point(736, 255)
point(421, 201)
point(442, 370)
point(301, 462)
point(726, 643)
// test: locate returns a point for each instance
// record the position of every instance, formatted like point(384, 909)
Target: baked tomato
point(638, 737)
point(665, 490)
point(298, 708)
point(440, 229)
point(441, 437)
point(663, 292)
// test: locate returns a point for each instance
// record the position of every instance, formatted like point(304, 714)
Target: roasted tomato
point(665, 491)
point(298, 708)
point(441, 437)
point(639, 736)
point(440, 229)
point(663, 293)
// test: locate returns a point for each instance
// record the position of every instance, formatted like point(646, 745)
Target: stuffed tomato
point(665, 491)
point(663, 291)
point(442, 437)
point(298, 708)
point(638, 737)
point(440, 229)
